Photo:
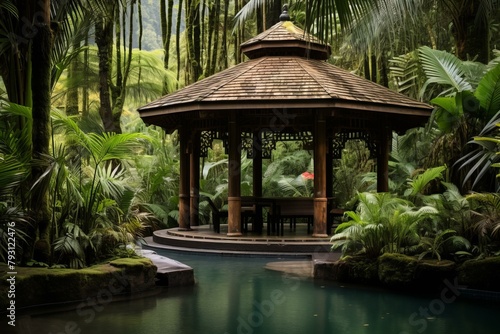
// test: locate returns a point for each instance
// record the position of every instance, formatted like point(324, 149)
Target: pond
point(238, 295)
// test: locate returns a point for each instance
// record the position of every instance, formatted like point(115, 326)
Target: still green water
point(237, 295)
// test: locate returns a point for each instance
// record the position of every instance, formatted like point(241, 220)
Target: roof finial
point(284, 16)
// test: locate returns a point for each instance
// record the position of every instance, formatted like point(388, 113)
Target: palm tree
point(27, 51)
point(96, 198)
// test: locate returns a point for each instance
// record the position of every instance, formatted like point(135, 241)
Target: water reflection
point(236, 295)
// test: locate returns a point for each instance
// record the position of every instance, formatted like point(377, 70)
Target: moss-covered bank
point(481, 274)
point(405, 272)
point(37, 286)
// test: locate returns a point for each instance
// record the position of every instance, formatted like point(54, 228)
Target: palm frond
point(443, 68)
point(480, 160)
point(12, 174)
point(247, 11)
point(404, 70)
point(418, 184)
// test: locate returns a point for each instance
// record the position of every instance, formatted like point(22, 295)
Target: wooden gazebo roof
point(286, 70)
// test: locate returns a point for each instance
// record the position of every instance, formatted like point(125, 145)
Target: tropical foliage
point(81, 175)
point(381, 223)
point(418, 224)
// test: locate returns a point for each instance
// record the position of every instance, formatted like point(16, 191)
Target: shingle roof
point(286, 70)
point(286, 39)
point(286, 79)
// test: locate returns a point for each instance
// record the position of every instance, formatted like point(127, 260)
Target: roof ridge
point(315, 79)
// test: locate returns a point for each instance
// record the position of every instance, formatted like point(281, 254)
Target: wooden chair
point(247, 214)
point(217, 214)
point(290, 209)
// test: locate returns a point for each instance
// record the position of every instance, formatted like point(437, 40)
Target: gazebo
point(285, 91)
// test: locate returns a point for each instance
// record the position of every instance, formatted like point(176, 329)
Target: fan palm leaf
point(444, 69)
point(101, 147)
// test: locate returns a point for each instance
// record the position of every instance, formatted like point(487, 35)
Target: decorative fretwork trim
point(340, 138)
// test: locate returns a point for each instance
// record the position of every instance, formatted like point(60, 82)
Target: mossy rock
point(431, 274)
point(36, 286)
point(355, 269)
point(397, 270)
point(142, 272)
point(480, 274)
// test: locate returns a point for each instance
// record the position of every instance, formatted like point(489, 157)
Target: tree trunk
point(366, 67)
point(141, 30)
point(211, 28)
point(224, 54)
point(373, 63)
point(41, 61)
point(121, 82)
point(15, 66)
point(169, 32)
point(166, 10)
point(104, 40)
point(72, 101)
point(238, 35)
point(85, 94)
point(260, 13)
point(384, 70)
point(273, 13)
point(215, 49)
point(117, 86)
point(192, 41)
point(178, 40)
point(163, 24)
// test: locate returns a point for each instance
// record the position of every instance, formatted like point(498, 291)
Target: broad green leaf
point(488, 92)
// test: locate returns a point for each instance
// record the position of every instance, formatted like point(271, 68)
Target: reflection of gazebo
point(286, 91)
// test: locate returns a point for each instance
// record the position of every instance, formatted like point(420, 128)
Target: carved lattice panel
point(341, 138)
point(206, 139)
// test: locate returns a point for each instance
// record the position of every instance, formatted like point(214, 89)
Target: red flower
point(307, 175)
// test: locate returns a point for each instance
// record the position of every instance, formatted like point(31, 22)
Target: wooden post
point(329, 170)
point(383, 150)
point(257, 178)
point(329, 186)
point(184, 176)
point(320, 200)
point(234, 179)
point(195, 179)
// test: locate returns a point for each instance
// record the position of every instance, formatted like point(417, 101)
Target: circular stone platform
point(202, 238)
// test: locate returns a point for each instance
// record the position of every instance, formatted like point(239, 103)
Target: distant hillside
point(151, 35)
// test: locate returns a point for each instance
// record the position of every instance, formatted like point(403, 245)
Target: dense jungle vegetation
point(81, 175)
